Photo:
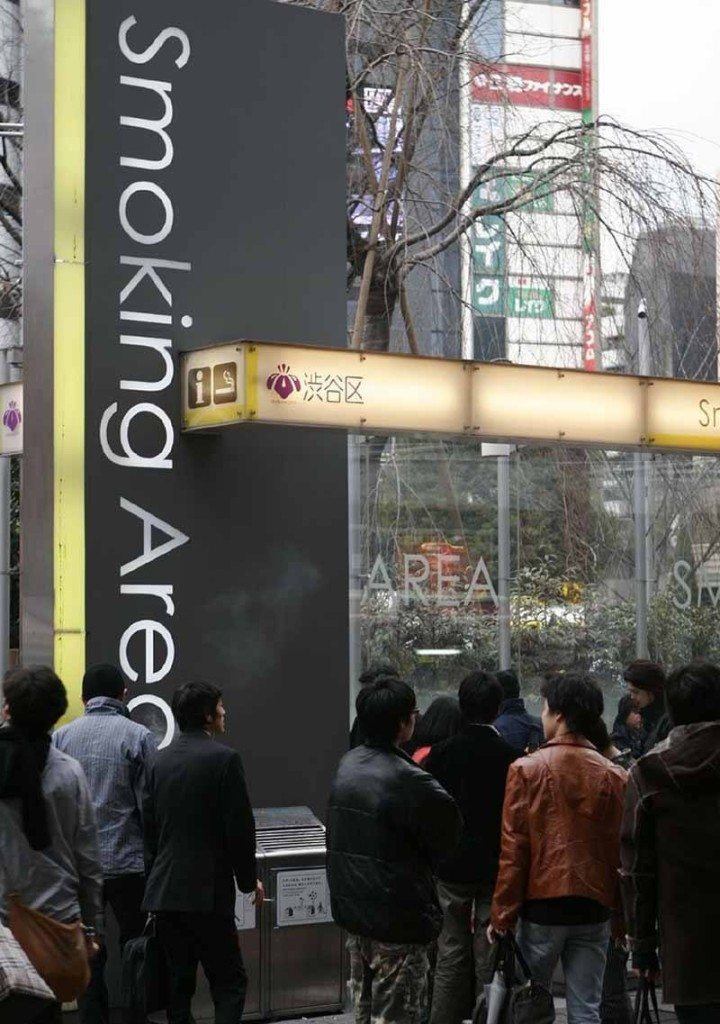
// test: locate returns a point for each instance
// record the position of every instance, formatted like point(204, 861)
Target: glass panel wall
point(427, 585)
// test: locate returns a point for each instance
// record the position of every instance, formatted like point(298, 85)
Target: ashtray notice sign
point(302, 897)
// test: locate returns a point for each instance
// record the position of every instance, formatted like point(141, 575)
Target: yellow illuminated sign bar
point(370, 392)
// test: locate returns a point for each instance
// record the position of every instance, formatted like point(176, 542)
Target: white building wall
point(534, 283)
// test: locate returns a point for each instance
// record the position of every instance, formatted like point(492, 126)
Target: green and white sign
point(530, 298)
point(488, 295)
point(488, 253)
point(488, 245)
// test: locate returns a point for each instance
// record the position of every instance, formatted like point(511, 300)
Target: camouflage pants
point(388, 982)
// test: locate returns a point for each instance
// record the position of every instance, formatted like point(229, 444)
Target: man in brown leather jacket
point(561, 849)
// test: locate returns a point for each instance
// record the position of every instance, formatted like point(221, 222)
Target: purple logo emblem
point(12, 417)
point(283, 383)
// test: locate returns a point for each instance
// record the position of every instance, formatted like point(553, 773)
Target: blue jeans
point(582, 950)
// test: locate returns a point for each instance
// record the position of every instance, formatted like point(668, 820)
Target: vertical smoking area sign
point(145, 236)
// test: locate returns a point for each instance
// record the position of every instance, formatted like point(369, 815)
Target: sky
point(660, 69)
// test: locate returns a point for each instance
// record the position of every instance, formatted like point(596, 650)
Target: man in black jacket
point(472, 767)
point(389, 822)
point(670, 850)
point(199, 841)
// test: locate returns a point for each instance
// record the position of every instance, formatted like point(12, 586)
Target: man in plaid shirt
point(113, 752)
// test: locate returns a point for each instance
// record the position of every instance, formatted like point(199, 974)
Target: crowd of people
point(447, 833)
point(587, 845)
point(94, 815)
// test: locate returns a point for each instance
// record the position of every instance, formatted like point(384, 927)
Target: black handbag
point(646, 1004)
point(144, 976)
point(526, 1001)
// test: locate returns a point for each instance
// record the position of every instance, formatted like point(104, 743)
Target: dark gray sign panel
point(215, 210)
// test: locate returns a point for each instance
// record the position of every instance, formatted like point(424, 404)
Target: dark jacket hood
point(689, 760)
point(512, 704)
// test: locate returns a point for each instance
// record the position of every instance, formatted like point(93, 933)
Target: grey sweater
point(65, 880)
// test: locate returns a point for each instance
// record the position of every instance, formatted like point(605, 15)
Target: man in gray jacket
point(113, 752)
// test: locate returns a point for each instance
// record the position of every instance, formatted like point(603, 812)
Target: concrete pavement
point(666, 1017)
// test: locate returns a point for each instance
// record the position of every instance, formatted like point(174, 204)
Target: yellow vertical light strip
point(69, 347)
point(251, 383)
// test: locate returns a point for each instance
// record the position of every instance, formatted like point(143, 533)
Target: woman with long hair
point(440, 722)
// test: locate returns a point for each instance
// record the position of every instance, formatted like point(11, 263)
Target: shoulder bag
point(513, 997)
point(57, 951)
point(23, 993)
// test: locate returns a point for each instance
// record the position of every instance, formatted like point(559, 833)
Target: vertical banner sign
point(590, 324)
point(190, 208)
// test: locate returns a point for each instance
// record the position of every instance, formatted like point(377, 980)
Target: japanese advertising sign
point(528, 297)
point(590, 326)
point(528, 86)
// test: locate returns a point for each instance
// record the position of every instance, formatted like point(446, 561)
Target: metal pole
point(4, 544)
point(640, 507)
point(503, 511)
point(641, 646)
point(355, 579)
point(645, 369)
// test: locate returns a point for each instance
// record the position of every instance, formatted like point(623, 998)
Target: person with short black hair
point(199, 843)
point(472, 767)
point(113, 751)
point(367, 678)
point(671, 849)
point(561, 848)
point(48, 839)
point(389, 823)
point(628, 732)
point(522, 731)
point(646, 687)
point(193, 704)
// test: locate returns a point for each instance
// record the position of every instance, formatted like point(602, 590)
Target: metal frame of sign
point(371, 392)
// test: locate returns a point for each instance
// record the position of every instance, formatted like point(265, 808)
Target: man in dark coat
point(671, 849)
point(199, 842)
point(522, 731)
point(646, 686)
point(389, 823)
point(472, 767)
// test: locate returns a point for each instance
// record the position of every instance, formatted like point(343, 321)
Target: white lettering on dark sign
point(147, 647)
